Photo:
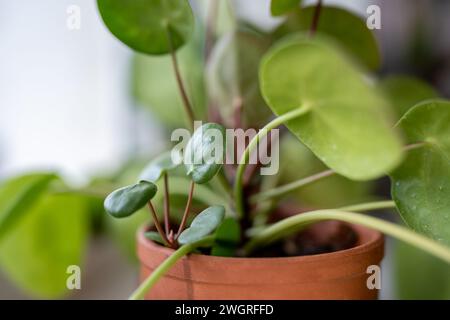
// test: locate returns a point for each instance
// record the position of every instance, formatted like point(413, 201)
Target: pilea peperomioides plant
point(324, 97)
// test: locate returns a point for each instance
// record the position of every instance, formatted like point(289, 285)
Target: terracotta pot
point(336, 275)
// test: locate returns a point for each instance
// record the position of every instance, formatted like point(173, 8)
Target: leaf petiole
point(282, 190)
point(237, 191)
point(186, 210)
point(298, 222)
point(184, 250)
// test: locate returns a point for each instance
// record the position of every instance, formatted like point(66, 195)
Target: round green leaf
point(203, 225)
point(149, 26)
point(127, 200)
point(347, 126)
point(205, 152)
point(159, 166)
point(405, 92)
point(421, 185)
point(232, 71)
point(348, 29)
point(280, 7)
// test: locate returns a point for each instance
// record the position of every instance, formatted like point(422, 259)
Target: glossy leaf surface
point(127, 200)
point(149, 26)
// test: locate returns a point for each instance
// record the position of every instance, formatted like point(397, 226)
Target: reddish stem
point(315, 21)
point(157, 224)
point(186, 210)
point(186, 103)
point(166, 204)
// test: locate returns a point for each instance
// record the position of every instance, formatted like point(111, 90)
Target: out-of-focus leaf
point(280, 7)
point(205, 152)
point(203, 225)
point(127, 200)
point(149, 26)
point(155, 86)
point(232, 76)
point(18, 195)
point(297, 161)
point(421, 185)
point(49, 238)
point(348, 125)
point(158, 167)
point(419, 275)
point(227, 237)
point(345, 27)
point(154, 236)
point(405, 92)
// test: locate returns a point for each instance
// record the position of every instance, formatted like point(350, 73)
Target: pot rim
point(368, 239)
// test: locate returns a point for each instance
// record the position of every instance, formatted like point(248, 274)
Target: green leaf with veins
point(203, 225)
point(348, 125)
point(50, 238)
point(127, 200)
point(405, 92)
point(421, 185)
point(18, 195)
point(205, 152)
point(345, 27)
point(149, 26)
point(280, 7)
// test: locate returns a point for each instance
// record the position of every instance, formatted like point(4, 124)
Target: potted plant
point(316, 81)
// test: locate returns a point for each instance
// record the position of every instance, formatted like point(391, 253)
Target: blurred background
point(68, 104)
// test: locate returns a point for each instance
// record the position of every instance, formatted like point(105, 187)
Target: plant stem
point(315, 21)
point(369, 206)
point(251, 147)
point(157, 224)
point(184, 97)
point(279, 191)
point(166, 204)
point(414, 146)
point(186, 210)
point(298, 222)
point(184, 250)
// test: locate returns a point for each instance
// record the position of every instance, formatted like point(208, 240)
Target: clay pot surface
point(337, 275)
